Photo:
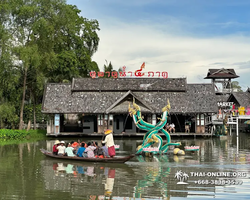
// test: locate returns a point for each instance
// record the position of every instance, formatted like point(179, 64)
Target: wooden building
point(101, 103)
point(240, 99)
point(222, 83)
point(221, 79)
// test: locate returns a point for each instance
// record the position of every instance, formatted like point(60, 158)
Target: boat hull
point(104, 160)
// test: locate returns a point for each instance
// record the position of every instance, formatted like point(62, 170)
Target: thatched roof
point(60, 98)
point(126, 84)
point(222, 98)
point(221, 73)
point(121, 105)
point(199, 98)
point(243, 98)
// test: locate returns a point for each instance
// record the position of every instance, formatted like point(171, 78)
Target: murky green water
point(27, 174)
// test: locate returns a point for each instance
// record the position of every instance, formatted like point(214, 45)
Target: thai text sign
point(122, 73)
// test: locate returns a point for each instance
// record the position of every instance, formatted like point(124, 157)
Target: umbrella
point(247, 122)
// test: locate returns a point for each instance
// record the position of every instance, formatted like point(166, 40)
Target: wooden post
point(230, 129)
point(195, 122)
point(237, 134)
point(108, 122)
point(103, 122)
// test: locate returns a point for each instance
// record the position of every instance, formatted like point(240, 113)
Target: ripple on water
point(27, 174)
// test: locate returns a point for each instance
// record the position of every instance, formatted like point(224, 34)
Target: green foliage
point(9, 134)
point(28, 114)
point(8, 115)
point(40, 41)
point(109, 68)
point(235, 85)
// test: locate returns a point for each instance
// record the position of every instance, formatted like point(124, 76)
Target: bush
point(21, 134)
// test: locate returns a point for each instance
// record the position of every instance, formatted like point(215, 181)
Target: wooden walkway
point(79, 134)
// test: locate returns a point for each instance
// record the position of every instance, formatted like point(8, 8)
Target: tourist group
point(87, 150)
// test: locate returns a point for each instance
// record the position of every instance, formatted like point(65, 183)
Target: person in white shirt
point(172, 127)
point(109, 141)
point(61, 148)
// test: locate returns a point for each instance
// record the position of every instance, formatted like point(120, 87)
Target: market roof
point(222, 98)
point(221, 73)
point(60, 98)
point(243, 98)
point(126, 84)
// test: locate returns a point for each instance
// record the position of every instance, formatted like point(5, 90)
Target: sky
point(184, 38)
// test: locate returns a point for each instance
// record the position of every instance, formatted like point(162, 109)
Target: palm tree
point(185, 176)
point(178, 174)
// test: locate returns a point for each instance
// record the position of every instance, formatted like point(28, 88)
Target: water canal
point(27, 174)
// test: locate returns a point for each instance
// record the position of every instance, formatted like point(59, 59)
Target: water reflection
point(80, 172)
point(94, 179)
point(27, 174)
point(147, 176)
point(154, 175)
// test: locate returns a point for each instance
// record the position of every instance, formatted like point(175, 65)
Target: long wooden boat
point(104, 160)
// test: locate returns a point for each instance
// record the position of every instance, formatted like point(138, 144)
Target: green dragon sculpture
point(151, 137)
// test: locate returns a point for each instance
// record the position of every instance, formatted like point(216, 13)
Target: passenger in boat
point(105, 150)
point(55, 150)
point(109, 141)
point(98, 151)
point(81, 150)
point(61, 148)
point(90, 150)
point(76, 146)
point(97, 147)
point(69, 150)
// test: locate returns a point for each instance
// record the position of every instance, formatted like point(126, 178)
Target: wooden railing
point(215, 117)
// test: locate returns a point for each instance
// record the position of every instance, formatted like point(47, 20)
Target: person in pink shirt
point(90, 150)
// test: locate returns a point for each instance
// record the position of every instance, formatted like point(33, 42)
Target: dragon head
point(131, 110)
point(167, 107)
point(135, 105)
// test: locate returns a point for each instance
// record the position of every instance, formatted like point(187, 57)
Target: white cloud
point(162, 50)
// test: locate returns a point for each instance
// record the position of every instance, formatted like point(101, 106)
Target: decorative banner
point(57, 123)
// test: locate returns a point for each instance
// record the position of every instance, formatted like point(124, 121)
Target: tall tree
point(108, 67)
point(51, 42)
point(75, 43)
point(235, 85)
point(9, 76)
point(25, 16)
